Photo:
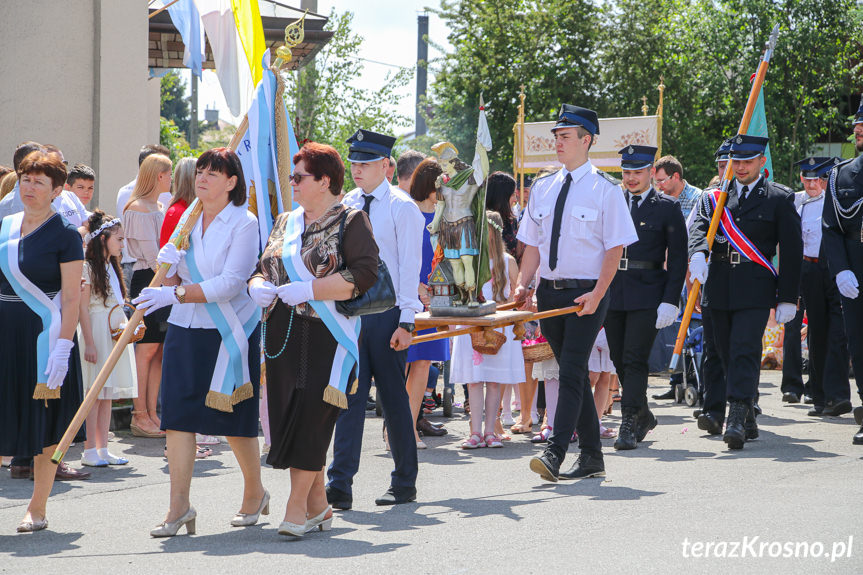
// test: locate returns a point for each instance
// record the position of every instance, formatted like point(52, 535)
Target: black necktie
point(558, 219)
point(367, 198)
point(634, 208)
point(743, 192)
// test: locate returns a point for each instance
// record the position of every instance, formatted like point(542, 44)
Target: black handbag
point(379, 298)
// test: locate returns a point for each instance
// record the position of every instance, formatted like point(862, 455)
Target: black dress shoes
point(397, 496)
point(808, 399)
point(546, 465)
point(858, 437)
point(585, 466)
point(816, 411)
point(709, 423)
point(858, 415)
point(338, 498)
point(790, 397)
point(667, 395)
point(426, 427)
point(837, 408)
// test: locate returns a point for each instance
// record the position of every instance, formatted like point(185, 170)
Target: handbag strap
point(342, 222)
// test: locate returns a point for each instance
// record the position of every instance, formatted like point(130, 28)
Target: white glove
point(262, 293)
point(666, 313)
point(698, 267)
point(58, 363)
point(153, 298)
point(296, 293)
point(846, 281)
point(169, 254)
point(785, 312)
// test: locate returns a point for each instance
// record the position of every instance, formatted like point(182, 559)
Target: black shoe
point(750, 427)
point(425, 427)
point(370, 404)
point(697, 413)
point(757, 408)
point(397, 496)
point(735, 434)
point(627, 436)
point(585, 466)
point(816, 411)
point(338, 498)
point(709, 423)
point(858, 415)
point(667, 395)
point(547, 465)
point(837, 408)
point(790, 397)
point(645, 422)
point(808, 399)
point(858, 437)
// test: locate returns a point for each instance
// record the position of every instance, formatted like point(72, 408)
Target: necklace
point(287, 336)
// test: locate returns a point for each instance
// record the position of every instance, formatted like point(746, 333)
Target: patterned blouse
point(356, 260)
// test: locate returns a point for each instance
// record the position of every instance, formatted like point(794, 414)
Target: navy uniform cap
point(635, 157)
point(571, 116)
point(858, 117)
point(824, 168)
point(746, 147)
point(809, 166)
point(722, 152)
point(368, 146)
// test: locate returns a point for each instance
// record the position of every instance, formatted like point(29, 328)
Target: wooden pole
point(163, 8)
point(723, 195)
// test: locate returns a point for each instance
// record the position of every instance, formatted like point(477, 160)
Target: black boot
point(735, 434)
point(645, 422)
point(750, 427)
point(710, 423)
point(585, 466)
point(546, 465)
point(627, 436)
point(858, 437)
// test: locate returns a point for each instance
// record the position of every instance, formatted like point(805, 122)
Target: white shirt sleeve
point(528, 230)
point(240, 260)
point(617, 226)
point(409, 224)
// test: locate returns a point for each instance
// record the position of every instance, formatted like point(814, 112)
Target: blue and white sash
point(231, 382)
point(47, 309)
point(346, 330)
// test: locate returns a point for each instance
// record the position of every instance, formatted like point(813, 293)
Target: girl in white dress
point(103, 288)
point(506, 366)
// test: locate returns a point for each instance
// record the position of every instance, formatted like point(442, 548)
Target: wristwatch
point(180, 294)
point(408, 327)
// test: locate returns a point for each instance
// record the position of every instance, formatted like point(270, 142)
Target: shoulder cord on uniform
point(841, 213)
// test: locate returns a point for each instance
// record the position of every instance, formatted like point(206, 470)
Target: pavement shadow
point(39, 544)
point(598, 489)
point(22, 489)
point(779, 448)
point(399, 518)
point(668, 455)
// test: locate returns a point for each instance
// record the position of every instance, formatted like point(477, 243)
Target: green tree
point(174, 104)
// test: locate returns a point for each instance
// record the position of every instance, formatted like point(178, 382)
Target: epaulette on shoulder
point(608, 177)
point(843, 163)
point(782, 188)
point(545, 177)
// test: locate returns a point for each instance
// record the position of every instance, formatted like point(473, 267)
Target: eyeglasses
point(663, 180)
point(297, 178)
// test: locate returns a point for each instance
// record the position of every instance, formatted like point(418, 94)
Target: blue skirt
point(187, 370)
point(437, 350)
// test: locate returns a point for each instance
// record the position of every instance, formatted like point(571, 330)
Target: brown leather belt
point(808, 259)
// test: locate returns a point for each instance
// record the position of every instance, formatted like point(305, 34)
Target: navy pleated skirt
point(187, 370)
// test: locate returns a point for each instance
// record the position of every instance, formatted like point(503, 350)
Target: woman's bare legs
point(416, 386)
point(248, 455)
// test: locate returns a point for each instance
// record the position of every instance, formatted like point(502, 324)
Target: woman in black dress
point(300, 342)
point(41, 258)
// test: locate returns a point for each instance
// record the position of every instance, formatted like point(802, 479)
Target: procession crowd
point(245, 334)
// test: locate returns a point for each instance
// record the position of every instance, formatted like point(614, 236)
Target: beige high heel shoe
point(318, 522)
point(248, 519)
point(170, 528)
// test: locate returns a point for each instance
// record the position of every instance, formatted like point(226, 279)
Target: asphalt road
point(790, 502)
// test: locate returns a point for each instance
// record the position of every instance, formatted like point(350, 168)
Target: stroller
point(692, 388)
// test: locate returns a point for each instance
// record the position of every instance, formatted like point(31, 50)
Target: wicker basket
point(537, 352)
point(116, 332)
point(487, 342)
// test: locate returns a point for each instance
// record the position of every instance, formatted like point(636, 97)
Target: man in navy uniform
point(743, 285)
point(843, 247)
point(828, 347)
point(574, 230)
point(397, 224)
point(646, 289)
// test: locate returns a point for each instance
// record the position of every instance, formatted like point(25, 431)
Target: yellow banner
point(251, 31)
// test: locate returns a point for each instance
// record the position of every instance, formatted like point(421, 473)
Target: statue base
point(486, 308)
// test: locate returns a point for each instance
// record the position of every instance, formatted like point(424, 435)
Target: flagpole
point(723, 195)
point(163, 8)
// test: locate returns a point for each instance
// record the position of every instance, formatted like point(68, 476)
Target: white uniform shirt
point(810, 210)
point(123, 198)
point(397, 224)
point(595, 219)
point(231, 246)
point(66, 204)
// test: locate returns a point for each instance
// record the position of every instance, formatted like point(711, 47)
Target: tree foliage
point(174, 104)
point(607, 54)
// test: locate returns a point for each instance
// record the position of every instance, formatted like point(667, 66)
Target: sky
point(389, 31)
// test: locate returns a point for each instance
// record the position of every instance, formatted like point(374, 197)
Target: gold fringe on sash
point(220, 401)
point(245, 391)
point(335, 397)
point(42, 392)
point(354, 386)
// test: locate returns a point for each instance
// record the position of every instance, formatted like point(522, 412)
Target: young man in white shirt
point(398, 227)
point(575, 228)
point(81, 181)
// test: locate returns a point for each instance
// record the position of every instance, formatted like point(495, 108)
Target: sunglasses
point(298, 178)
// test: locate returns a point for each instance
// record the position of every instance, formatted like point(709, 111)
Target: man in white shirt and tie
point(398, 227)
point(575, 227)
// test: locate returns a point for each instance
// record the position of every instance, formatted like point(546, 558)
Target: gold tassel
point(335, 397)
point(220, 401)
point(42, 392)
point(354, 387)
point(245, 391)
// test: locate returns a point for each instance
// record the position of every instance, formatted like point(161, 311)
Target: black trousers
point(828, 346)
point(571, 338)
point(738, 336)
point(792, 355)
point(712, 372)
point(630, 337)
